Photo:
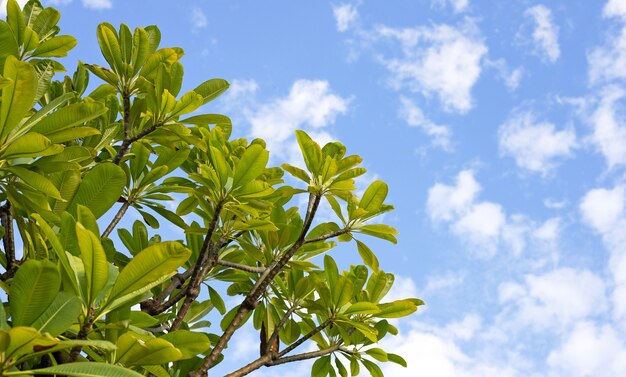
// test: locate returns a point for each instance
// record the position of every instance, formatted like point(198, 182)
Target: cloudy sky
point(500, 128)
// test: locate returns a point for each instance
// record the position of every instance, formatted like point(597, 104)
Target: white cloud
point(484, 224)
point(310, 105)
point(98, 4)
point(609, 130)
point(3, 7)
point(615, 8)
point(608, 62)
point(436, 352)
point(603, 208)
point(511, 77)
point(446, 281)
point(414, 116)
point(447, 202)
point(198, 18)
point(546, 33)
point(555, 300)
point(458, 6)
point(590, 350)
point(345, 16)
point(440, 60)
point(535, 146)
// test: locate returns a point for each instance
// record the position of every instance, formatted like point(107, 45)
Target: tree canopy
point(89, 297)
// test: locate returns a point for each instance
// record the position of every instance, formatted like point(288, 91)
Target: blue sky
point(500, 128)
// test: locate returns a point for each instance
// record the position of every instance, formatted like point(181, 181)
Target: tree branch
point(280, 324)
point(327, 236)
point(159, 305)
point(242, 267)
point(268, 360)
point(8, 241)
point(308, 336)
point(251, 300)
point(207, 258)
point(116, 219)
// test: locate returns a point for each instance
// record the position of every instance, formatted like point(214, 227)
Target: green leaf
point(95, 262)
point(217, 301)
point(70, 116)
point(60, 315)
point(362, 308)
point(297, 172)
point(311, 152)
point(206, 119)
point(378, 354)
point(166, 56)
point(321, 367)
point(378, 285)
point(396, 359)
point(141, 49)
point(30, 145)
point(17, 97)
point(110, 46)
point(148, 268)
point(374, 369)
point(56, 46)
point(251, 165)
point(15, 19)
point(374, 196)
point(36, 181)
point(8, 44)
point(211, 89)
point(100, 189)
point(382, 231)
point(33, 289)
point(188, 342)
point(342, 291)
point(368, 256)
point(396, 309)
point(331, 271)
point(91, 369)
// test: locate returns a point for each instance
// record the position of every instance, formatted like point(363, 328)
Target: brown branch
point(252, 298)
point(207, 259)
point(280, 324)
point(126, 121)
point(327, 236)
point(159, 305)
point(116, 219)
point(6, 218)
point(308, 336)
point(268, 360)
point(82, 334)
point(242, 267)
point(307, 355)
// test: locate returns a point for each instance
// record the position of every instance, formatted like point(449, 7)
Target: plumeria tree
point(87, 296)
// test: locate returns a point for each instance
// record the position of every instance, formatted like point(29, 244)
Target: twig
point(327, 236)
point(116, 219)
point(242, 267)
point(206, 258)
point(280, 324)
point(251, 300)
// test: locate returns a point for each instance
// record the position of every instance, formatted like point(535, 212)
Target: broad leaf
point(34, 287)
point(100, 189)
point(148, 268)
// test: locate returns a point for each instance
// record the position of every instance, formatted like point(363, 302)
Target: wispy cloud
point(198, 18)
point(413, 116)
point(545, 34)
point(536, 146)
point(346, 16)
point(439, 60)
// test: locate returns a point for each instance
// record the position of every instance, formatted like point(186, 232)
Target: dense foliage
point(138, 306)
